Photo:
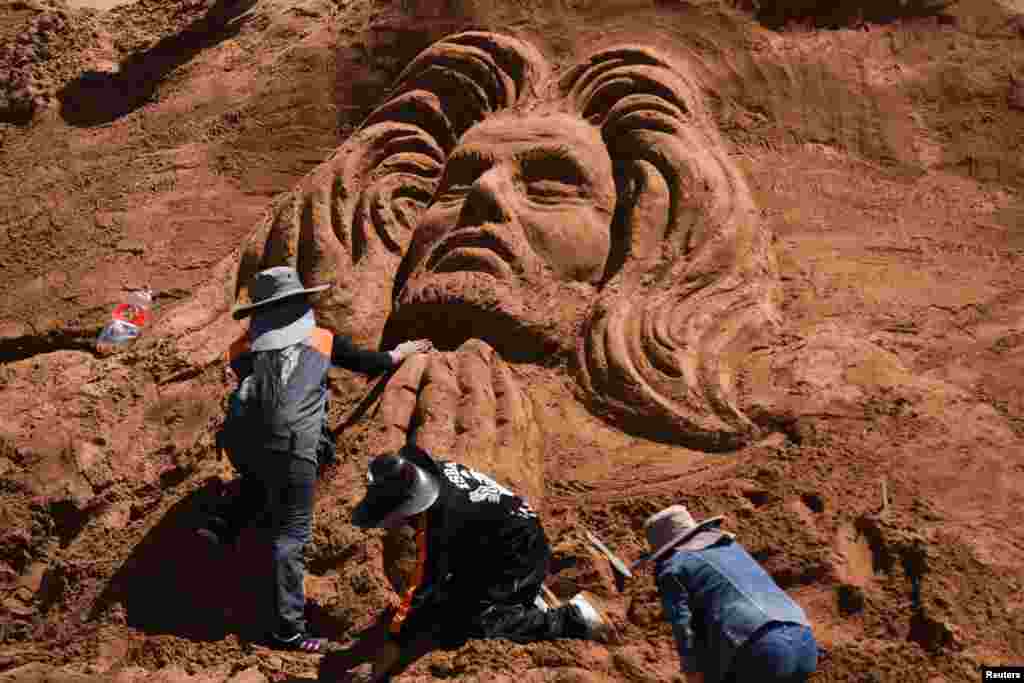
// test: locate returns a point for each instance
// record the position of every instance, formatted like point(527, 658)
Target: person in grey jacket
point(282, 362)
point(731, 622)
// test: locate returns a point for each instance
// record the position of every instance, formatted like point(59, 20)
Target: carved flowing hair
point(350, 220)
point(692, 279)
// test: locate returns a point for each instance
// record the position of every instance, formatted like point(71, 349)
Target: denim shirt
point(715, 598)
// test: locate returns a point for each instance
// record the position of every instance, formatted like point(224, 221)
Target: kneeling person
point(731, 622)
point(482, 558)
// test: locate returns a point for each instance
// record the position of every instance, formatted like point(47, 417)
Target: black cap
point(400, 485)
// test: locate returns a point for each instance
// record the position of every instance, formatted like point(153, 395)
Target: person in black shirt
point(482, 558)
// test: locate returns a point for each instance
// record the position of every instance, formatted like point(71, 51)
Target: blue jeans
point(780, 653)
point(279, 489)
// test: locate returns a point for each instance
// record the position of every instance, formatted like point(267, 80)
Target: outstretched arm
point(675, 603)
point(345, 354)
point(376, 646)
point(371, 646)
point(393, 659)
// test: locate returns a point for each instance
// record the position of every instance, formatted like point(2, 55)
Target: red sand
point(883, 158)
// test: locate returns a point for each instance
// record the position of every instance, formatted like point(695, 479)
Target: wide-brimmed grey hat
point(272, 285)
point(398, 488)
point(670, 528)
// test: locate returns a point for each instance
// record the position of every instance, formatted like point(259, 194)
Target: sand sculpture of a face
point(526, 201)
point(594, 218)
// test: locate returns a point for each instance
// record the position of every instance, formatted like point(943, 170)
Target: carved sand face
point(525, 199)
point(477, 204)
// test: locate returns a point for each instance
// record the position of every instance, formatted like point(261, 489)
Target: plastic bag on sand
point(127, 320)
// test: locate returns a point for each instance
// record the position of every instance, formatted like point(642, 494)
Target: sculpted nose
point(488, 199)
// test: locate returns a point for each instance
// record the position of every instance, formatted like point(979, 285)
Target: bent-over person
point(731, 622)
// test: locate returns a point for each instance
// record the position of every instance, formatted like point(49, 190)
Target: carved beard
point(523, 318)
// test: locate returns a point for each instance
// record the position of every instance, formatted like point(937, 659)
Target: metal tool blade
point(618, 564)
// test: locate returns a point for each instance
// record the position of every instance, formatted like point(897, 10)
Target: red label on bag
point(131, 314)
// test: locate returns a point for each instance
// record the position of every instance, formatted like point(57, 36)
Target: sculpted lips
point(472, 250)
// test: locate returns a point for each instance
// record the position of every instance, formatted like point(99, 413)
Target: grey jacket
point(287, 388)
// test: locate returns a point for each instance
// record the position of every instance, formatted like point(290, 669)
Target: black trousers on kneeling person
point(501, 602)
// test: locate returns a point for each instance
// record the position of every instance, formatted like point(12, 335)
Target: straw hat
point(670, 528)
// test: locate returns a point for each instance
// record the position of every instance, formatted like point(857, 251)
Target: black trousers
point(278, 489)
point(503, 604)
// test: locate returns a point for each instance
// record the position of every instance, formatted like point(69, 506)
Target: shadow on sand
point(843, 13)
point(98, 97)
point(175, 582)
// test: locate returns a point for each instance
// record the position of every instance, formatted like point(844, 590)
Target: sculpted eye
point(551, 177)
point(551, 189)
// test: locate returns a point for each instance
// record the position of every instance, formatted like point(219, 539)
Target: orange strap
point(417, 579)
point(323, 341)
point(237, 348)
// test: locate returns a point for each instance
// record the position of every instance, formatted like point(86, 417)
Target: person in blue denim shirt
point(731, 622)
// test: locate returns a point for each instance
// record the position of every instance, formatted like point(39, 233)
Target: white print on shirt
point(485, 489)
point(451, 470)
point(488, 489)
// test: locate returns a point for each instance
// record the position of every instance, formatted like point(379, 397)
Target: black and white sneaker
point(298, 642)
point(596, 624)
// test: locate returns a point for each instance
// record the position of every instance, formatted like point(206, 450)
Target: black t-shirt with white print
point(481, 539)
